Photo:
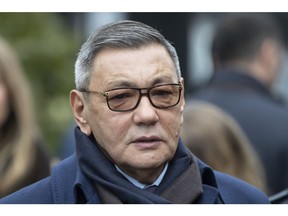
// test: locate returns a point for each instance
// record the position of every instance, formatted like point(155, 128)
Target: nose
point(145, 113)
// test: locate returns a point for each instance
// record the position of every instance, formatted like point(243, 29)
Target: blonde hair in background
point(19, 131)
point(217, 139)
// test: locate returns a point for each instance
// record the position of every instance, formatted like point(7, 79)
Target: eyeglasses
point(126, 99)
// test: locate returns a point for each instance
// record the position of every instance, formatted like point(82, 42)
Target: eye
point(120, 94)
point(162, 91)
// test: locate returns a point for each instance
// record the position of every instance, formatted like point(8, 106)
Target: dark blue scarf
point(182, 176)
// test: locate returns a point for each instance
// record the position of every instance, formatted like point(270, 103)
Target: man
point(129, 108)
point(247, 52)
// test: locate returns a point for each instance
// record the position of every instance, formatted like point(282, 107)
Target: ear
point(182, 100)
point(271, 60)
point(79, 106)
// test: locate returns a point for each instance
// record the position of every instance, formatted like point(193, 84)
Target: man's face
point(146, 137)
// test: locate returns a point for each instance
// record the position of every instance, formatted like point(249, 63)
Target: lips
point(146, 139)
point(147, 142)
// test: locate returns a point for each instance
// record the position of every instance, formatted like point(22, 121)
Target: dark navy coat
point(261, 117)
point(67, 185)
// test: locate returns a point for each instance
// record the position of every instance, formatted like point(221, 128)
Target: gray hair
point(117, 35)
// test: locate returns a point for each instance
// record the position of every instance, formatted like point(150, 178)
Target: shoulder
point(37, 193)
point(56, 188)
point(231, 189)
point(236, 191)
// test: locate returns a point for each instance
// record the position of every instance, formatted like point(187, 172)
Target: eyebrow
point(128, 84)
point(161, 80)
point(120, 84)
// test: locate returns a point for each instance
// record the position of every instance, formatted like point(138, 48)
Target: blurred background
point(47, 44)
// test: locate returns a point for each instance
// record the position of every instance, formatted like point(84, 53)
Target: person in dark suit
point(128, 105)
point(247, 54)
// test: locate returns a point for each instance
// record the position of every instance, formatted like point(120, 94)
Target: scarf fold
point(181, 183)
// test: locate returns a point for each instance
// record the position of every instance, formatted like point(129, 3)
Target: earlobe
point(78, 108)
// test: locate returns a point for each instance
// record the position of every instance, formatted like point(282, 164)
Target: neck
point(255, 70)
point(144, 176)
point(262, 74)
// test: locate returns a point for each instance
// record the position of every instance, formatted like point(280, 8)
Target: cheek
point(173, 124)
point(111, 132)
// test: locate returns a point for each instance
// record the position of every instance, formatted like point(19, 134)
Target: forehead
point(138, 66)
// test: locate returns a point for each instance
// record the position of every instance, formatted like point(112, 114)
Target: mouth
point(147, 142)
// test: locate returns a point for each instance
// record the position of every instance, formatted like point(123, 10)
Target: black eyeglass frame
point(147, 92)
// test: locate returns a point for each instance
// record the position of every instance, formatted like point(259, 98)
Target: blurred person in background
point(23, 158)
point(247, 52)
point(216, 138)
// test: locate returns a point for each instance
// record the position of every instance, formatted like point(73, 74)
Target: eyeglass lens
point(162, 96)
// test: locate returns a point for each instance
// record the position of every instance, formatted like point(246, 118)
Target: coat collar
point(234, 78)
point(84, 190)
